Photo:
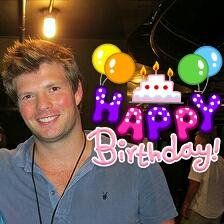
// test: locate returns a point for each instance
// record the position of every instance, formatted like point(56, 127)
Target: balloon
point(193, 69)
point(101, 54)
point(213, 58)
point(119, 68)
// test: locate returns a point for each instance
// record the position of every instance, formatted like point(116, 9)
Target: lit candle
point(143, 72)
point(156, 67)
point(170, 73)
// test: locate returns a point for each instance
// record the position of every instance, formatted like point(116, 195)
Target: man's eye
point(55, 88)
point(26, 97)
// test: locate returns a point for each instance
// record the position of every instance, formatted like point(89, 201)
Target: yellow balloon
point(119, 68)
point(101, 54)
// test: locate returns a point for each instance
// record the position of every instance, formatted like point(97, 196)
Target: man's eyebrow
point(46, 86)
point(51, 84)
point(24, 93)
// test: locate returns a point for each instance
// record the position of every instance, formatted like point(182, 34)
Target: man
point(50, 178)
point(204, 201)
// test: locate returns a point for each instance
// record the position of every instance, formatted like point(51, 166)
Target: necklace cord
point(68, 182)
point(35, 189)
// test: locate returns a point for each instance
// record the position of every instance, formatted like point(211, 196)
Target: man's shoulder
point(7, 156)
point(6, 153)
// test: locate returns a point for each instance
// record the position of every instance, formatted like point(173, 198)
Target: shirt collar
point(23, 159)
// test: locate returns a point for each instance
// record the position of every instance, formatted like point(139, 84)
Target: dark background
point(148, 30)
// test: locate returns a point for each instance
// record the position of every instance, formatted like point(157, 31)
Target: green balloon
point(193, 69)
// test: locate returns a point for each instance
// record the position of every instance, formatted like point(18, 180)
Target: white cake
point(155, 89)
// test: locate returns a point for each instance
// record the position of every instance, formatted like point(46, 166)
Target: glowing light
point(49, 27)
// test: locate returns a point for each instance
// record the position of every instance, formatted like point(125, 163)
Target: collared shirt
point(122, 193)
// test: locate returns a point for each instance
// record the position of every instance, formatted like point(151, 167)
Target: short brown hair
point(27, 57)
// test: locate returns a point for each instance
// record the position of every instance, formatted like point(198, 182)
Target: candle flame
point(170, 72)
point(156, 66)
point(143, 71)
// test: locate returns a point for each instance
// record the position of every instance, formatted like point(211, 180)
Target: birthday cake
point(155, 89)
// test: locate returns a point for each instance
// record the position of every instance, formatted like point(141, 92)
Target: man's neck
point(60, 154)
point(59, 161)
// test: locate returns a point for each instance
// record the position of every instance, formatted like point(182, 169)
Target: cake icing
point(155, 89)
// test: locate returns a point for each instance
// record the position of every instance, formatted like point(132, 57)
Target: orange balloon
point(119, 68)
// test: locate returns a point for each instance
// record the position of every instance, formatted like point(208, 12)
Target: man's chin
point(49, 139)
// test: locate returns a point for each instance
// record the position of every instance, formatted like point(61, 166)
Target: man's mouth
point(47, 119)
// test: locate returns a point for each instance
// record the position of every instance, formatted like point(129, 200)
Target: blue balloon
point(213, 58)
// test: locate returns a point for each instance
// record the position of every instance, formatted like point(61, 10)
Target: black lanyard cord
point(35, 187)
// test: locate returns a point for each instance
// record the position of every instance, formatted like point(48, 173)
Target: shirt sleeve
point(193, 175)
point(155, 201)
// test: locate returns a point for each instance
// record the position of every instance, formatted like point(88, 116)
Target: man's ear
point(78, 94)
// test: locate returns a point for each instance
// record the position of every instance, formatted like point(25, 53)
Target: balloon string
point(104, 81)
point(205, 85)
point(101, 76)
point(198, 88)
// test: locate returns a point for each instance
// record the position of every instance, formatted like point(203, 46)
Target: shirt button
point(52, 192)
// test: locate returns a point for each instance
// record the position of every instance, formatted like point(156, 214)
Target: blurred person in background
point(204, 201)
point(3, 142)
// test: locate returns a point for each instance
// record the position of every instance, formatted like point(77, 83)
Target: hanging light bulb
point(49, 26)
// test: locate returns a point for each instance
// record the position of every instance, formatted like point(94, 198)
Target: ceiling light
point(49, 26)
point(49, 22)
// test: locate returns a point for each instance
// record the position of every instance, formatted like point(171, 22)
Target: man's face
point(48, 104)
point(200, 140)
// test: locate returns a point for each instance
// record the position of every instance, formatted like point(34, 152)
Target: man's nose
point(43, 101)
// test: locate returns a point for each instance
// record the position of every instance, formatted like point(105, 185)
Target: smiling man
point(50, 177)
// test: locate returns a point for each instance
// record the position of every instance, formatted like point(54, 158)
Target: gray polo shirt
point(119, 194)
